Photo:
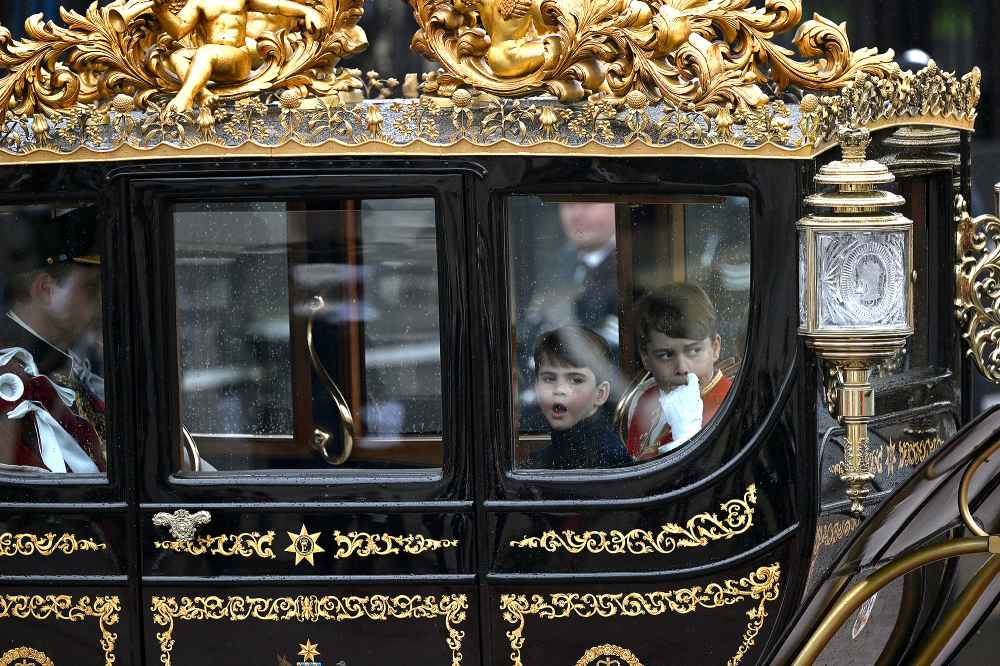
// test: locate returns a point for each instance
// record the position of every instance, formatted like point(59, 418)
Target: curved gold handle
point(321, 437)
point(182, 523)
point(192, 448)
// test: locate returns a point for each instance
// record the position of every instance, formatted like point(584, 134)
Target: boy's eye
point(577, 379)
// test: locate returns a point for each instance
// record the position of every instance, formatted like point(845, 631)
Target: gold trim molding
point(735, 517)
point(26, 544)
point(64, 607)
point(977, 298)
point(365, 544)
point(168, 610)
point(760, 586)
point(244, 544)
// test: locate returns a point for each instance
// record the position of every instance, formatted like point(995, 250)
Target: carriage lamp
point(855, 289)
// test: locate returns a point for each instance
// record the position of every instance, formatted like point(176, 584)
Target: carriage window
point(630, 320)
point(52, 403)
point(309, 337)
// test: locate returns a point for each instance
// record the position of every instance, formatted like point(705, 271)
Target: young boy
point(572, 369)
point(679, 345)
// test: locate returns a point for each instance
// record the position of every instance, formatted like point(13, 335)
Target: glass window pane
point(310, 335)
point(630, 321)
point(52, 402)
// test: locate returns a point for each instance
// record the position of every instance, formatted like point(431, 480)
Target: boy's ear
point(716, 347)
point(603, 393)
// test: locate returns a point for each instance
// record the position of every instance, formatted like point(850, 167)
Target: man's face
point(670, 360)
point(73, 304)
point(568, 395)
point(589, 226)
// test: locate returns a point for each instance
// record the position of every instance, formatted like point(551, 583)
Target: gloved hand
point(683, 409)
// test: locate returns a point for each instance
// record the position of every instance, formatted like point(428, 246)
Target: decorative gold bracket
point(182, 523)
point(977, 285)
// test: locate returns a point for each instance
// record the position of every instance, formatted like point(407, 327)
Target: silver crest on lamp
point(855, 289)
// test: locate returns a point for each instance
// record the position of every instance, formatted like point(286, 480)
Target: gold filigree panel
point(269, 124)
point(977, 287)
point(244, 544)
point(365, 544)
point(26, 544)
point(760, 586)
point(692, 53)
point(735, 517)
point(66, 608)
point(168, 611)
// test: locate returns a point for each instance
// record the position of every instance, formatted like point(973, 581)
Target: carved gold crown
point(630, 77)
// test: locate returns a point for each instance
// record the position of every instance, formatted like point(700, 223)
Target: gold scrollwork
point(245, 544)
point(977, 287)
point(47, 544)
point(67, 608)
point(167, 610)
point(364, 544)
point(760, 586)
point(735, 518)
point(696, 52)
point(607, 650)
point(25, 656)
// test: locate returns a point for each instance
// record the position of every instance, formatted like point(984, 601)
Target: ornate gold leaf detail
point(47, 544)
point(121, 49)
point(378, 607)
point(760, 586)
point(977, 287)
point(696, 52)
point(608, 650)
point(735, 517)
point(364, 544)
point(66, 608)
point(245, 544)
point(25, 656)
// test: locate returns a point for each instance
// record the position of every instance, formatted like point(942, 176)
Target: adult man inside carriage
point(52, 413)
point(223, 55)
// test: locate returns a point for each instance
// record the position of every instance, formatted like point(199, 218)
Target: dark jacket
point(590, 444)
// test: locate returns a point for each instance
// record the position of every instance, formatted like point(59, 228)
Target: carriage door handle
point(182, 524)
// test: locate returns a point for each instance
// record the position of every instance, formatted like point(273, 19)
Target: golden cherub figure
point(517, 31)
point(224, 55)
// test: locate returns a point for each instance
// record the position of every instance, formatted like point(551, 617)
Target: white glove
point(683, 408)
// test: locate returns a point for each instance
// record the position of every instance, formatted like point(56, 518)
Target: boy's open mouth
point(558, 409)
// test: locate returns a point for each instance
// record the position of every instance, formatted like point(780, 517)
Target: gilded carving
point(25, 545)
point(244, 544)
point(25, 656)
point(364, 544)
point(66, 608)
point(977, 287)
point(760, 586)
point(604, 652)
point(168, 610)
point(686, 52)
point(150, 49)
point(895, 456)
point(735, 517)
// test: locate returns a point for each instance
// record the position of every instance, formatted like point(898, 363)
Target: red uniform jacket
point(646, 414)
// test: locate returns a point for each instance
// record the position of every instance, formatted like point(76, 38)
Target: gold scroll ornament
point(736, 517)
point(168, 610)
point(977, 287)
point(244, 544)
point(138, 51)
point(25, 545)
point(760, 586)
point(66, 608)
point(365, 544)
point(687, 52)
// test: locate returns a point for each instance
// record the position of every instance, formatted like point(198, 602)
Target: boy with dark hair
point(679, 345)
point(572, 383)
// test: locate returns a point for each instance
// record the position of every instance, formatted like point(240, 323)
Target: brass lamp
point(855, 289)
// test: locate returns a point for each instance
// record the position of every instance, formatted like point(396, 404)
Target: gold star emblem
point(304, 545)
point(309, 651)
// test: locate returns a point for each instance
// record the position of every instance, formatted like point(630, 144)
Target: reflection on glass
point(630, 321)
point(52, 408)
point(309, 336)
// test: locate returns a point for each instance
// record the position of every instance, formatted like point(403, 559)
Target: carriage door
point(304, 495)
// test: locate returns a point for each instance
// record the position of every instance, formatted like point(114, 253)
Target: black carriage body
point(486, 600)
